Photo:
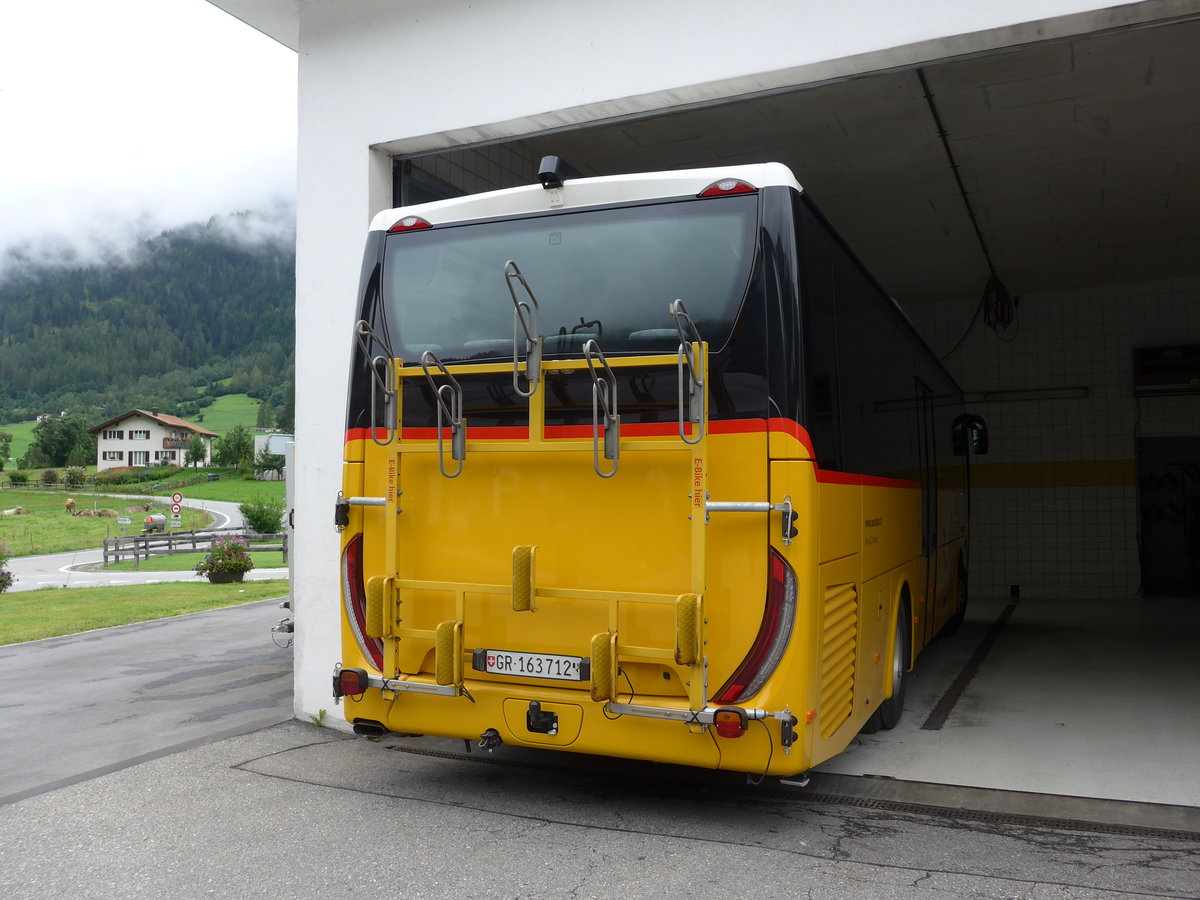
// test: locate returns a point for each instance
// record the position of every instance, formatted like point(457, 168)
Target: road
point(100, 700)
point(74, 569)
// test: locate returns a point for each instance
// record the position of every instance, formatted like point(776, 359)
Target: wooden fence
point(142, 546)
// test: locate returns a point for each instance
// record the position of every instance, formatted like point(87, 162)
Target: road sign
point(123, 520)
point(175, 507)
point(174, 523)
point(177, 498)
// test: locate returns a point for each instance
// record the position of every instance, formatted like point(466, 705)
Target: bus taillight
point(730, 721)
point(728, 186)
point(409, 223)
point(773, 634)
point(350, 682)
point(354, 596)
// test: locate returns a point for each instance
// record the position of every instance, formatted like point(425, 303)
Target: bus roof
point(583, 192)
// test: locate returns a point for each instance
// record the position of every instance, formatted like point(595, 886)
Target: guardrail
point(142, 546)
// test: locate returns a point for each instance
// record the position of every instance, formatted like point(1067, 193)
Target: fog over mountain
point(170, 320)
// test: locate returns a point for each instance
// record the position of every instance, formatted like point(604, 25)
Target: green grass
point(181, 562)
point(32, 615)
point(226, 411)
point(232, 487)
point(22, 433)
point(48, 528)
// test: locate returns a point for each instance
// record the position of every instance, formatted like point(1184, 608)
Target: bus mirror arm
point(970, 433)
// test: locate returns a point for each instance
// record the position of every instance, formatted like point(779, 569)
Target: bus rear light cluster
point(728, 186)
point(730, 721)
point(773, 634)
point(409, 223)
point(354, 596)
point(350, 682)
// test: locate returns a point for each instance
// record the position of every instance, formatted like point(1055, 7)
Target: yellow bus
point(643, 466)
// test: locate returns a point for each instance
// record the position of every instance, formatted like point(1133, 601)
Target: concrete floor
point(1080, 698)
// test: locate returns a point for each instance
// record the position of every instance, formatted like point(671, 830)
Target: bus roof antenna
point(554, 170)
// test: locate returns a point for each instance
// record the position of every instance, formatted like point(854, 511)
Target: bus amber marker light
point(728, 186)
point(409, 223)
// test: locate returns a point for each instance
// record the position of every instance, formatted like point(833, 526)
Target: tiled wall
point(1057, 512)
point(487, 168)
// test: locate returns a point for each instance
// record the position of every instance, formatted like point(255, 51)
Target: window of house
point(113, 455)
point(165, 455)
point(139, 457)
point(139, 434)
point(114, 435)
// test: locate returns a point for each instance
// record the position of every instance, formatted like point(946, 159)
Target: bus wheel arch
point(900, 659)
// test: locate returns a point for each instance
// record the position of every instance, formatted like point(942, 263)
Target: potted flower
point(225, 561)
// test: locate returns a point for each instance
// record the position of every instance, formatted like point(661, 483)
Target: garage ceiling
point(1081, 160)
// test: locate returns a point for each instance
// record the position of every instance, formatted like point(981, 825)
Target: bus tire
point(892, 708)
point(960, 590)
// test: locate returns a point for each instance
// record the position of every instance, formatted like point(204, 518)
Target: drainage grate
point(799, 795)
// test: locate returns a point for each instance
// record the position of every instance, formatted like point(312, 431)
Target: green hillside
point(188, 315)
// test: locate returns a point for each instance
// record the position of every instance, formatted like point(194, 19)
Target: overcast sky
point(124, 116)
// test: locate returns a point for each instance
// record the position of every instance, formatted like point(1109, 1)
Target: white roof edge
point(579, 192)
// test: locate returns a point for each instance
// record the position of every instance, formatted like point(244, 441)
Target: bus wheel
point(893, 707)
point(960, 589)
point(872, 724)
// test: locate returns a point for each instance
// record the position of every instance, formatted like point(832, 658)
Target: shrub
point(227, 554)
point(18, 478)
point(263, 516)
point(50, 476)
point(74, 476)
point(6, 577)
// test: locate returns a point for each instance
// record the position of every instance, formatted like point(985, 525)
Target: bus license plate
point(534, 665)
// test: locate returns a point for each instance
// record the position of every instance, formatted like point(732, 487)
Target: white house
point(1050, 142)
point(141, 438)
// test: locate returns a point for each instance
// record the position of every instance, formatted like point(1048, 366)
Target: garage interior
point(1036, 213)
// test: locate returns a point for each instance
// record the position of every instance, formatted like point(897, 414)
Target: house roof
point(160, 418)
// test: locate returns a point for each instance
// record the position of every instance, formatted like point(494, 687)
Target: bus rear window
point(606, 273)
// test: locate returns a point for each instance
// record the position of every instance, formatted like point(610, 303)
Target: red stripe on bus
point(828, 476)
point(788, 427)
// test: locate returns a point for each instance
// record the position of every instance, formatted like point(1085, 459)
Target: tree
point(236, 448)
point(266, 462)
point(6, 440)
point(266, 416)
point(55, 438)
point(196, 451)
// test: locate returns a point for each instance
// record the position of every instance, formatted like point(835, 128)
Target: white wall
point(381, 76)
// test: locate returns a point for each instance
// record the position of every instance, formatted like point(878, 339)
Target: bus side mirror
point(970, 430)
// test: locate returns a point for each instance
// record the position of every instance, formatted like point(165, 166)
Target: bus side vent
point(839, 649)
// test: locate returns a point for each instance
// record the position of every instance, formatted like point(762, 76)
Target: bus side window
point(970, 431)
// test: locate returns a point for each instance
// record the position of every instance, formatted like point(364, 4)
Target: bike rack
point(689, 350)
point(527, 318)
point(451, 411)
point(604, 396)
point(365, 335)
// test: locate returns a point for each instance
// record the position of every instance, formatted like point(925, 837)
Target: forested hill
point(190, 308)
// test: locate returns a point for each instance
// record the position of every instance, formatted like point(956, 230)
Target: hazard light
point(409, 223)
point(728, 186)
point(730, 721)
